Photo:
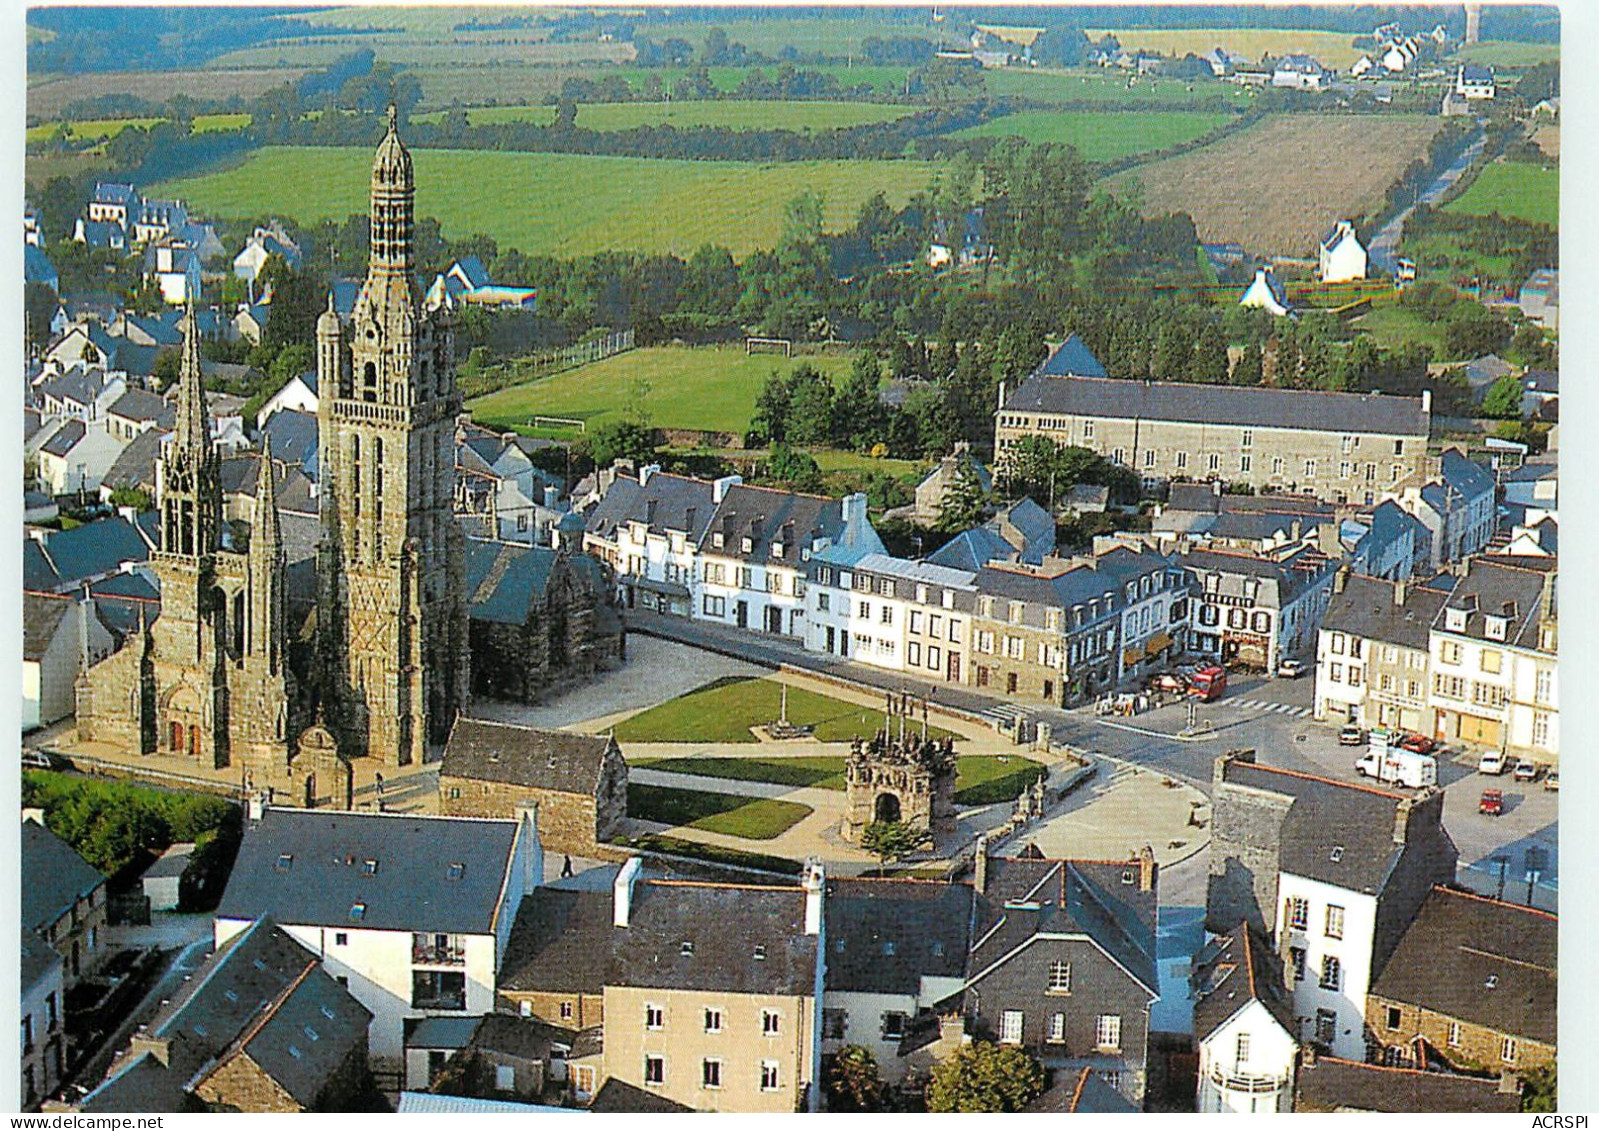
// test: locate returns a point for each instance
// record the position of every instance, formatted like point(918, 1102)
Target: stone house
point(137, 411)
point(494, 1057)
point(1476, 979)
point(1257, 611)
point(551, 970)
point(1337, 1084)
point(1244, 1025)
point(1062, 962)
point(262, 1026)
point(1332, 873)
point(63, 901)
point(930, 491)
point(412, 912)
point(577, 782)
point(538, 620)
point(1454, 498)
point(1341, 447)
point(1372, 654)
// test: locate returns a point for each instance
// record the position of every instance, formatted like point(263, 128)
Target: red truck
point(1207, 684)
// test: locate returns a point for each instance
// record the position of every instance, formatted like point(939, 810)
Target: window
point(823, 604)
point(715, 606)
point(1393, 1017)
point(1540, 729)
point(888, 614)
point(1149, 457)
point(932, 658)
point(769, 1022)
point(1245, 462)
point(1010, 1027)
point(1449, 652)
point(1326, 1026)
point(1213, 462)
point(1330, 972)
point(1241, 1052)
point(1108, 1031)
point(566, 1010)
point(713, 1020)
point(1343, 470)
point(1298, 912)
point(655, 1070)
point(1543, 689)
point(1247, 439)
point(341, 938)
point(1060, 977)
point(834, 1022)
point(769, 1076)
point(893, 1025)
point(1088, 429)
point(1057, 1027)
point(27, 1033)
point(1296, 959)
point(504, 1078)
point(1489, 661)
point(654, 1017)
point(1454, 1034)
point(863, 610)
point(438, 989)
point(1335, 920)
point(711, 1073)
point(1182, 460)
point(1507, 1049)
point(1335, 672)
point(369, 867)
point(1277, 465)
point(1310, 469)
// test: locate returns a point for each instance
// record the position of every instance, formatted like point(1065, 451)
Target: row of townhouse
point(721, 551)
point(1470, 658)
point(1340, 964)
point(1059, 631)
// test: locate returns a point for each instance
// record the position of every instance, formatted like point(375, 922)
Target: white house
point(890, 612)
point(1299, 72)
point(53, 643)
point(76, 457)
point(1265, 294)
point(264, 242)
point(1474, 82)
point(176, 269)
point(162, 880)
point(412, 912)
point(1342, 256)
point(1257, 610)
point(1243, 1025)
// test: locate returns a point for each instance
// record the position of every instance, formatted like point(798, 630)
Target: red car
point(1418, 744)
point(1492, 803)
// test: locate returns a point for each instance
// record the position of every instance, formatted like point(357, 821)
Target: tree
point(1503, 399)
point(890, 841)
point(796, 470)
point(857, 413)
point(620, 439)
point(853, 1082)
point(1248, 370)
point(964, 501)
point(39, 302)
point(984, 1077)
point(1538, 1088)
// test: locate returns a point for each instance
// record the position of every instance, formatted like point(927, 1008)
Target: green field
point(557, 203)
point(715, 853)
point(754, 818)
point(1392, 326)
point(725, 710)
point(713, 388)
point(1515, 189)
point(1508, 54)
point(1040, 85)
point(733, 114)
point(879, 78)
point(1333, 48)
point(1103, 137)
point(980, 779)
point(830, 460)
point(103, 129)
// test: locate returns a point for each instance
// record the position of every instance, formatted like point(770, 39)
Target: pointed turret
point(264, 634)
point(192, 427)
point(268, 531)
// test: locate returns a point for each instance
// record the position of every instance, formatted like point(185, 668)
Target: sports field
point(1278, 185)
point(1333, 48)
point(556, 203)
point(713, 388)
point(733, 114)
point(1106, 136)
point(1516, 189)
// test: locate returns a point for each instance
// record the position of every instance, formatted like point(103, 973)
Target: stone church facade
point(389, 665)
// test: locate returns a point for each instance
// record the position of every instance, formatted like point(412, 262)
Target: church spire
point(267, 533)
point(192, 426)
point(393, 202)
point(188, 483)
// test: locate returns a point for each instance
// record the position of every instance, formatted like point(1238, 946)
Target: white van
point(1398, 766)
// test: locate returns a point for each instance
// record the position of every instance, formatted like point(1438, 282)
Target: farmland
point(560, 204)
point(1508, 54)
point(50, 94)
point(1333, 48)
point(104, 129)
point(1105, 136)
point(712, 388)
point(1052, 86)
point(734, 114)
point(1276, 186)
point(1513, 189)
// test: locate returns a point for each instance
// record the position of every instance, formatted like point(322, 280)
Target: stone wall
point(587, 1010)
point(1479, 1046)
point(1245, 850)
point(569, 822)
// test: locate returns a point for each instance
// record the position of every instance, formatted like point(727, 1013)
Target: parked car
point(1551, 780)
point(1418, 744)
point(1291, 669)
point(1492, 802)
point(1526, 771)
point(1493, 762)
point(1351, 735)
point(37, 760)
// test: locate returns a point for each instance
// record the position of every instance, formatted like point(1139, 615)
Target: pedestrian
point(566, 867)
point(380, 785)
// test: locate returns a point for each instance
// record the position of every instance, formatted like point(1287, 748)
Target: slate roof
point(1079, 1091)
point(1489, 589)
point(57, 877)
point(1476, 72)
point(326, 878)
point(41, 620)
point(1072, 358)
point(173, 862)
point(763, 514)
point(38, 959)
point(1459, 945)
point(558, 760)
point(38, 572)
point(1034, 524)
point(1465, 475)
point(140, 406)
point(114, 193)
point(1292, 575)
point(1366, 609)
point(1062, 585)
point(440, 1032)
point(1330, 818)
point(1233, 405)
point(971, 550)
point(294, 438)
point(65, 438)
point(526, 1037)
point(1233, 970)
point(924, 923)
point(96, 547)
point(36, 266)
point(675, 497)
point(1027, 896)
point(565, 941)
point(261, 995)
point(1333, 1084)
point(617, 1096)
point(506, 581)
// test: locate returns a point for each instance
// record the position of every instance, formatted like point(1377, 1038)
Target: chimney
point(980, 865)
point(1001, 406)
point(527, 819)
point(815, 884)
point(1402, 820)
point(1294, 530)
point(34, 815)
point(159, 1049)
point(719, 487)
point(1340, 579)
point(645, 472)
point(255, 807)
point(650, 506)
point(1426, 401)
point(1308, 1054)
point(853, 510)
point(1147, 869)
point(622, 890)
point(688, 519)
point(552, 498)
point(1219, 773)
point(1401, 592)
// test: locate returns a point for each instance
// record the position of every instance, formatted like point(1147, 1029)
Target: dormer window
point(357, 912)
point(687, 949)
point(454, 871)
point(717, 540)
point(285, 862)
point(369, 867)
point(1495, 627)
point(777, 549)
point(1337, 853)
point(749, 545)
point(760, 952)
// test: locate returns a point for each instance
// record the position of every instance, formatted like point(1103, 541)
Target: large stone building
point(1342, 447)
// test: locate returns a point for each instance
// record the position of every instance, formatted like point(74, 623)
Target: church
point(382, 667)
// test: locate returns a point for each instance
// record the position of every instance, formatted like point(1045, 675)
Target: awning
point(1158, 643)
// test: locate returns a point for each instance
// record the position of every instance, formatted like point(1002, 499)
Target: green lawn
point(980, 779)
point(733, 114)
point(879, 78)
point(753, 818)
point(556, 203)
point(1105, 136)
point(1506, 53)
point(725, 710)
point(1516, 189)
point(711, 387)
point(908, 471)
point(1392, 326)
point(715, 853)
point(1095, 85)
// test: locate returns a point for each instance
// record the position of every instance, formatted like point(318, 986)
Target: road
point(1384, 246)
